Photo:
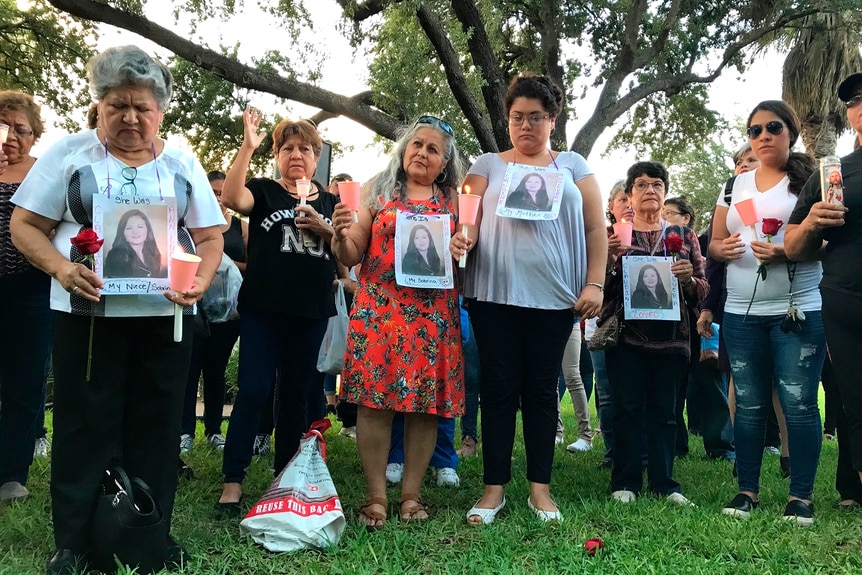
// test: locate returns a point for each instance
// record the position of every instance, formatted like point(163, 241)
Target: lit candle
point(623, 231)
point(302, 188)
point(183, 269)
point(4, 133)
point(468, 210)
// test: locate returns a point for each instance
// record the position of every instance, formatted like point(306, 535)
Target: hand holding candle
point(468, 210)
point(350, 197)
point(623, 230)
point(4, 133)
point(183, 269)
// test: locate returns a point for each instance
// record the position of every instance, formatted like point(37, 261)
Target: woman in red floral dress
point(404, 343)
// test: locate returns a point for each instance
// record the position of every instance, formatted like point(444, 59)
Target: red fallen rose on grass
point(770, 227)
point(87, 242)
point(591, 546)
point(673, 244)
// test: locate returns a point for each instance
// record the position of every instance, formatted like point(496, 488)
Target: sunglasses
point(851, 103)
point(129, 174)
point(435, 121)
point(774, 127)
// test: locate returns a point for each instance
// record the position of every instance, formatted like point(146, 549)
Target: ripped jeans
point(760, 354)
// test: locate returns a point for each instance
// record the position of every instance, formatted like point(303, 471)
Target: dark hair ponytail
point(799, 168)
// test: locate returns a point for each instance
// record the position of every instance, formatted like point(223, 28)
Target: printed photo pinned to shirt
point(422, 250)
point(140, 233)
point(650, 290)
point(530, 193)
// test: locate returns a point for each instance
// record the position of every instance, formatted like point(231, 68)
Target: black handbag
point(128, 527)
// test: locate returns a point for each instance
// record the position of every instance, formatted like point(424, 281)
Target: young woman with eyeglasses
point(772, 322)
point(527, 284)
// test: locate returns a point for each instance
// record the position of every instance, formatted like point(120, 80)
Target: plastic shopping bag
point(219, 302)
point(330, 358)
point(301, 508)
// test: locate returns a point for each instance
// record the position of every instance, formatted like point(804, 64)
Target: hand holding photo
point(183, 269)
point(831, 180)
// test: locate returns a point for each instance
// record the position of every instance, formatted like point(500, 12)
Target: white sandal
point(487, 515)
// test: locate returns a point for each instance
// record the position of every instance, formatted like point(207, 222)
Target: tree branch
point(494, 89)
point(360, 12)
point(233, 71)
point(474, 113)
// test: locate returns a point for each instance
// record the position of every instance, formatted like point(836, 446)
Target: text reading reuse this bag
point(330, 358)
point(301, 508)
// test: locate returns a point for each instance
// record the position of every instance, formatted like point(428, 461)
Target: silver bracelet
point(598, 285)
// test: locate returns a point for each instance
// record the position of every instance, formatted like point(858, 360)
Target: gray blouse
point(533, 264)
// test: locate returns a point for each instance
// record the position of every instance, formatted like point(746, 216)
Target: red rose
point(593, 545)
point(673, 243)
point(771, 226)
point(87, 242)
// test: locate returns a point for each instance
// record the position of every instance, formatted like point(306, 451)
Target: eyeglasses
point(854, 101)
point(774, 127)
point(533, 119)
point(642, 186)
point(129, 174)
point(23, 132)
point(435, 121)
point(670, 213)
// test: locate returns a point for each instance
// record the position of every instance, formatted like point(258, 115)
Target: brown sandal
point(414, 506)
point(373, 520)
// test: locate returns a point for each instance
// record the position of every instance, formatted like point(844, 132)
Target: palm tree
point(825, 51)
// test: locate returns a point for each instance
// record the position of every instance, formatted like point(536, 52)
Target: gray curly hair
point(391, 182)
point(129, 65)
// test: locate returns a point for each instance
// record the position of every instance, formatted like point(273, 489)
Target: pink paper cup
point(468, 208)
point(349, 194)
point(747, 211)
point(183, 269)
point(623, 231)
point(4, 133)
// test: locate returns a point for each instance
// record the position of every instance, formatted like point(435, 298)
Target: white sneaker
point(624, 496)
point(560, 439)
point(680, 499)
point(217, 441)
point(579, 445)
point(348, 432)
point(447, 477)
point(186, 442)
point(41, 448)
point(771, 450)
point(394, 471)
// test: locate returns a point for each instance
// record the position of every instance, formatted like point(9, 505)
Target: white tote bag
point(330, 358)
point(301, 508)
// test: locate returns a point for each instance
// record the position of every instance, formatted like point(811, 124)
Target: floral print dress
point(403, 343)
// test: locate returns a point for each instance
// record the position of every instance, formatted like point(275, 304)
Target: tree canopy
point(647, 60)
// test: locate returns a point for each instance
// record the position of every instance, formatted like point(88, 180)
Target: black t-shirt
point(234, 247)
point(282, 275)
point(842, 259)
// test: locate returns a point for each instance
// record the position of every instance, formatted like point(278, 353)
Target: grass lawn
point(648, 536)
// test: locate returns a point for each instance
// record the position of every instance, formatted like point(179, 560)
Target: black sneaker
point(740, 506)
point(799, 512)
point(67, 562)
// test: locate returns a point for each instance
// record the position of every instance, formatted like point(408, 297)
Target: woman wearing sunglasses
point(527, 284)
point(772, 323)
point(404, 343)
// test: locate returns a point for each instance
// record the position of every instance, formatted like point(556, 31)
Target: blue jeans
point(471, 388)
point(604, 402)
point(444, 451)
point(272, 342)
point(761, 353)
point(26, 326)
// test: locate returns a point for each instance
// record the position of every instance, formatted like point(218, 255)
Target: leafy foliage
point(44, 52)
point(699, 174)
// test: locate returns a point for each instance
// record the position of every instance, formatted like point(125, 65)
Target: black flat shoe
point(740, 506)
point(799, 512)
point(67, 562)
point(849, 505)
point(229, 509)
point(176, 555)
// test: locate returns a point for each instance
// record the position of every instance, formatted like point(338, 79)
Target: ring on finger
point(75, 289)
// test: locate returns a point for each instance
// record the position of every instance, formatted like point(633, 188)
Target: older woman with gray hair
point(404, 343)
point(124, 397)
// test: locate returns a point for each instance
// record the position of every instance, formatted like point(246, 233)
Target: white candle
point(178, 323)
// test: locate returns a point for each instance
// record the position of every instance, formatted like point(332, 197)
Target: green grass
point(648, 536)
